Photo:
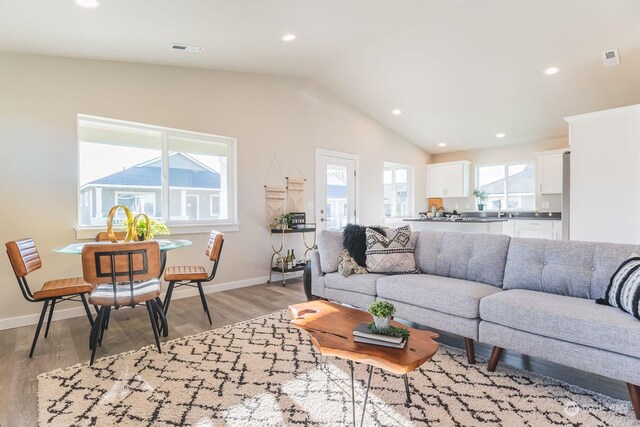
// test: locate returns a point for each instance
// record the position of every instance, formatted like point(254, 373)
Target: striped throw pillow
point(624, 288)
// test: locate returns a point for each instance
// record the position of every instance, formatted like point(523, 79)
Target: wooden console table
point(277, 252)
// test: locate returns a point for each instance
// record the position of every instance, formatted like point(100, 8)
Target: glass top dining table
point(165, 245)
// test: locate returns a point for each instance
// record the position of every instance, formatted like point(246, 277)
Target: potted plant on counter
point(381, 312)
point(482, 197)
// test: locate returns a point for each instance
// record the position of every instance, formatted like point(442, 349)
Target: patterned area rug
point(265, 372)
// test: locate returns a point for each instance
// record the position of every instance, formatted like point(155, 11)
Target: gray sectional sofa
point(533, 296)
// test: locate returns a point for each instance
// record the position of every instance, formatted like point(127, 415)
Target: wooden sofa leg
point(495, 358)
point(471, 354)
point(634, 394)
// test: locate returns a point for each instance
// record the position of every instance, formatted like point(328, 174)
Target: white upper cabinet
point(449, 179)
point(605, 154)
point(550, 172)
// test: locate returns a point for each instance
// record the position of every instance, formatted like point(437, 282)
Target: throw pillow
point(623, 291)
point(390, 254)
point(348, 266)
point(354, 240)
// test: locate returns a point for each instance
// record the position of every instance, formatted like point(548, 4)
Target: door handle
point(322, 220)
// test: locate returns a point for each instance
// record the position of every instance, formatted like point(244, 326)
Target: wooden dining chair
point(125, 274)
point(195, 275)
point(24, 258)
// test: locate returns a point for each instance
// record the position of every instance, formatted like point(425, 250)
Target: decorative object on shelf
point(381, 312)
point(280, 265)
point(285, 222)
point(275, 198)
point(298, 219)
point(437, 201)
point(295, 194)
point(482, 197)
point(128, 228)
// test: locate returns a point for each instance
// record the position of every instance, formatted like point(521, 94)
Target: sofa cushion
point(624, 289)
point(470, 256)
point(571, 319)
point(564, 267)
point(361, 283)
point(444, 294)
point(390, 254)
point(329, 248)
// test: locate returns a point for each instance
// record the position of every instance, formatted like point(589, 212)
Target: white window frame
point(410, 189)
point(506, 180)
point(211, 196)
point(175, 227)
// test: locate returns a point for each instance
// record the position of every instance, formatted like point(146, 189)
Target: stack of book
point(364, 335)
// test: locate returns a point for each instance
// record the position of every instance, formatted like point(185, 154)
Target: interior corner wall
point(504, 154)
point(41, 96)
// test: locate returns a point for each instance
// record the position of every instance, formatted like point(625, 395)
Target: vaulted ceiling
point(460, 70)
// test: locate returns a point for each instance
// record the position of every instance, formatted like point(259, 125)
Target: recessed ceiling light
point(289, 37)
point(551, 71)
point(88, 4)
point(500, 135)
point(396, 112)
point(442, 144)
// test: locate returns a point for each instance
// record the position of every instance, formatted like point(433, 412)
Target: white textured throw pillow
point(390, 254)
point(624, 289)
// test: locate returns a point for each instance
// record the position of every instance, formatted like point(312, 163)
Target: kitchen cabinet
point(533, 229)
point(605, 154)
point(550, 172)
point(449, 179)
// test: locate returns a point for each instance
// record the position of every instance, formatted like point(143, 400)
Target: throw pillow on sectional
point(623, 291)
point(354, 240)
point(390, 254)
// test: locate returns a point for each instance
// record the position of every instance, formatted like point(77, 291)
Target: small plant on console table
point(381, 312)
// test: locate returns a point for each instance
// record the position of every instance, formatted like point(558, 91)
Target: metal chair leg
point(86, 308)
point(53, 306)
point(154, 325)
point(204, 302)
point(96, 330)
point(167, 298)
point(163, 326)
point(106, 321)
point(103, 325)
point(35, 338)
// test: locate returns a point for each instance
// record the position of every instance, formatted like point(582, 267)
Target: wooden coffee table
point(330, 327)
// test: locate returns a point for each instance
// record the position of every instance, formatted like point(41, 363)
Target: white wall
point(512, 153)
point(39, 100)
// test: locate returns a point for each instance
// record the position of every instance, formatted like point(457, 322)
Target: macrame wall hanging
point(281, 200)
point(295, 194)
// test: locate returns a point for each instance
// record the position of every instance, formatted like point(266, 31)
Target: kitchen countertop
point(467, 220)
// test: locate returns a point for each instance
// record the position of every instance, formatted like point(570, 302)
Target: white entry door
point(336, 184)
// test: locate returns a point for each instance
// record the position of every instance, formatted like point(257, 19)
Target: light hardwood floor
point(68, 340)
point(68, 344)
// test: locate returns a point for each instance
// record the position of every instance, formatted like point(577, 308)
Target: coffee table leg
point(366, 396)
point(353, 395)
point(406, 387)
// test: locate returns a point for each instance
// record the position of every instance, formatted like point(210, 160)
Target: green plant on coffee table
point(393, 331)
point(382, 309)
point(156, 227)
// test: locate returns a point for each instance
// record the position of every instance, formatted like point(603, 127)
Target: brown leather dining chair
point(125, 274)
point(195, 275)
point(24, 258)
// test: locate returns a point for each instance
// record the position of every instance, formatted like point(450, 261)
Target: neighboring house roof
point(183, 172)
point(522, 182)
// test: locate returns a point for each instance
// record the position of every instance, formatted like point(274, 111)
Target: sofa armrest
point(313, 277)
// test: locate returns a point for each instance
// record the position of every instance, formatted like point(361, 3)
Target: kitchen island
point(465, 225)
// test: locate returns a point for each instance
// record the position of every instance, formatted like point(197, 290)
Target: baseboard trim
point(32, 319)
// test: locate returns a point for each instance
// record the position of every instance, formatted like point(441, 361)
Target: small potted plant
point(381, 312)
point(156, 227)
point(482, 197)
point(286, 221)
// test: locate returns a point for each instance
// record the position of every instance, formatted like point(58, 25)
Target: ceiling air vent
point(611, 58)
point(186, 48)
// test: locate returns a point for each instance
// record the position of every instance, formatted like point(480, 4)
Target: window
point(508, 186)
point(398, 190)
point(177, 176)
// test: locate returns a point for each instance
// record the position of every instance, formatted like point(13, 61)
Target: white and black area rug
point(265, 372)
